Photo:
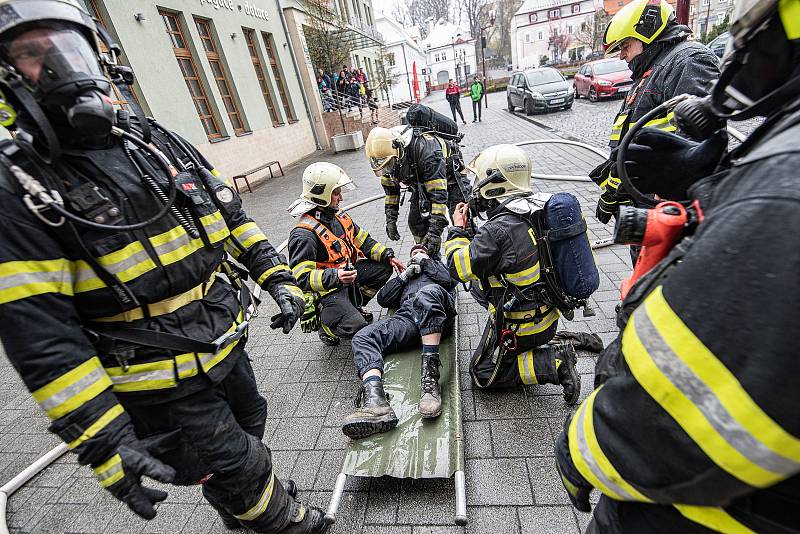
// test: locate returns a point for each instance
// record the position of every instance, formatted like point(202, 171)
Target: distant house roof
point(530, 6)
point(445, 33)
point(394, 33)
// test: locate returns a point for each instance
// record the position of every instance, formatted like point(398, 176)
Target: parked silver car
point(541, 89)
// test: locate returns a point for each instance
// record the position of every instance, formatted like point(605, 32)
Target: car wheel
point(592, 95)
point(529, 107)
point(510, 105)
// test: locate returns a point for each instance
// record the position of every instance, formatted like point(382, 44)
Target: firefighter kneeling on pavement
point(503, 260)
point(694, 426)
point(424, 296)
point(336, 262)
point(118, 307)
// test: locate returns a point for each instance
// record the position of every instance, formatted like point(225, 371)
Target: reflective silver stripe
point(110, 472)
point(88, 273)
point(529, 376)
point(141, 376)
point(57, 399)
point(171, 246)
point(39, 277)
point(245, 235)
point(263, 502)
point(588, 457)
point(524, 279)
point(217, 225)
point(704, 399)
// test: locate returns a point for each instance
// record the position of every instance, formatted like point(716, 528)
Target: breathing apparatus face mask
point(477, 203)
point(61, 67)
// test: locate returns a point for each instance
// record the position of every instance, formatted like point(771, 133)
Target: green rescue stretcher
point(416, 448)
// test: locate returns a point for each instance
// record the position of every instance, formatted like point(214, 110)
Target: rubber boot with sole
point(305, 519)
point(231, 523)
point(373, 413)
point(327, 339)
point(430, 401)
point(568, 376)
point(366, 315)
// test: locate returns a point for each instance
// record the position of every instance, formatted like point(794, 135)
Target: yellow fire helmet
point(320, 179)
point(384, 148)
point(641, 19)
point(501, 171)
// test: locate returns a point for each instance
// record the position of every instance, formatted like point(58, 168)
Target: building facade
point(404, 57)
point(219, 72)
point(705, 14)
point(450, 53)
point(552, 31)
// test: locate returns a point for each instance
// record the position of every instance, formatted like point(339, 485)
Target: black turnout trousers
point(338, 312)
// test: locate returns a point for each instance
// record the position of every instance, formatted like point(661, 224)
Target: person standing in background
point(453, 96)
point(476, 94)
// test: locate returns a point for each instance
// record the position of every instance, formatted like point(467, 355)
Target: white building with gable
point(450, 51)
point(402, 55)
point(536, 21)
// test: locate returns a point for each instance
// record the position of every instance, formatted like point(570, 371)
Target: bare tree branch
point(419, 11)
point(591, 31)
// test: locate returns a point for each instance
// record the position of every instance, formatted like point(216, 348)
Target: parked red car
point(603, 78)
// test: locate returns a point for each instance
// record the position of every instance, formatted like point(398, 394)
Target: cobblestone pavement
point(512, 486)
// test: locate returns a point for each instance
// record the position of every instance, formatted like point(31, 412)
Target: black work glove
point(391, 231)
point(667, 164)
point(310, 321)
point(606, 207)
point(121, 474)
point(581, 340)
point(577, 487)
point(291, 303)
point(605, 169)
point(432, 243)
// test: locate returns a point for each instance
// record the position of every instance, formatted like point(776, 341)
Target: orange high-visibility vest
point(339, 248)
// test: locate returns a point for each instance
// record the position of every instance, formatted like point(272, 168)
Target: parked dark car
point(541, 89)
point(603, 78)
point(718, 44)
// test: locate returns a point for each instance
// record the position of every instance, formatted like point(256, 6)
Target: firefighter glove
point(391, 231)
point(291, 307)
point(667, 164)
point(310, 321)
point(412, 271)
point(577, 487)
point(432, 243)
point(607, 207)
point(121, 474)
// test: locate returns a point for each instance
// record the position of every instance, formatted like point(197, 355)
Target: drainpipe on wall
point(297, 73)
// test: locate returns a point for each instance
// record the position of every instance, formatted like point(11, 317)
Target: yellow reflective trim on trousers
point(23, 279)
point(696, 389)
point(72, 389)
point(376, 251)
point(110, 472)
point(110, 414)
point(525, 277)
point(439, 184)
point(438, 209)
point(361, 236)
point(261, 505)
point(713, 518)
point(591, 461)
point(315, 280)
point(789, 12)
point(269, 272)
point(463, 265)
point(302, 268)
point(392, 200)
point(248, 234)
point(525, 366)
point(454, 243)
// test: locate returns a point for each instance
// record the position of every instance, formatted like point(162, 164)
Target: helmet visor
point(52, 56)
point(383, 166)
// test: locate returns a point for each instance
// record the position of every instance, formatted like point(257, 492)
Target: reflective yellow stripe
point(110, 472)
point(294, 290)
point(388, 181)
point(72, 389)
point(525, 277)
point(789, 11)
point(528, 329)
point(439, 184)
point(269, 272)
point(261, 505)
point(688, 381)
point(215, 226)
point(590, 459)
point(376, 251)
point(525, 366)
point(110, 414)
point(463, 265)
point(315, 280)
point(248, 234)
point(665, 123)
point(392, 200)
point(361, 236)
point(438, 209)
point(163, 307)
point(713, 518)
point(302, 268)
point(456, 242)
point(126, 264)
point(23, 279)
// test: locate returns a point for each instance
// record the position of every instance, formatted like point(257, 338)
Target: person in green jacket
point(476, 93)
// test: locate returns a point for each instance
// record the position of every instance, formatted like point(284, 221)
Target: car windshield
point(607, 67)
point(544, 76)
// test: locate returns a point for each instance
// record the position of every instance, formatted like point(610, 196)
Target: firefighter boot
point(365, 314)
point(231, 523)
point(305, 519)
point(568, 376)
point(373, 413)
point(430, 401)
point(327, 337)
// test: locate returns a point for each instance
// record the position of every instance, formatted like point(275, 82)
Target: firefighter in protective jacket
point(502, 259)
point(118, 307)
point(336, 262)
point(431, 167)
point(664, 64)
point(694, 426)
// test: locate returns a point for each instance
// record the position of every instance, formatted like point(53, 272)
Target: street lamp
point(483, 49)
point(455, 62)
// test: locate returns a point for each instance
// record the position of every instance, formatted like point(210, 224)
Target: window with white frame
point(706, 2)
point(436, 57)
point(569, 28)
point(444, 56)
point(556, 13)
point(576, 8)
point(541, 36)
point(533, 17)
point(527, 38)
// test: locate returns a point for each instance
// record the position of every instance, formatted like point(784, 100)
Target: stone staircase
point(354, 121)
